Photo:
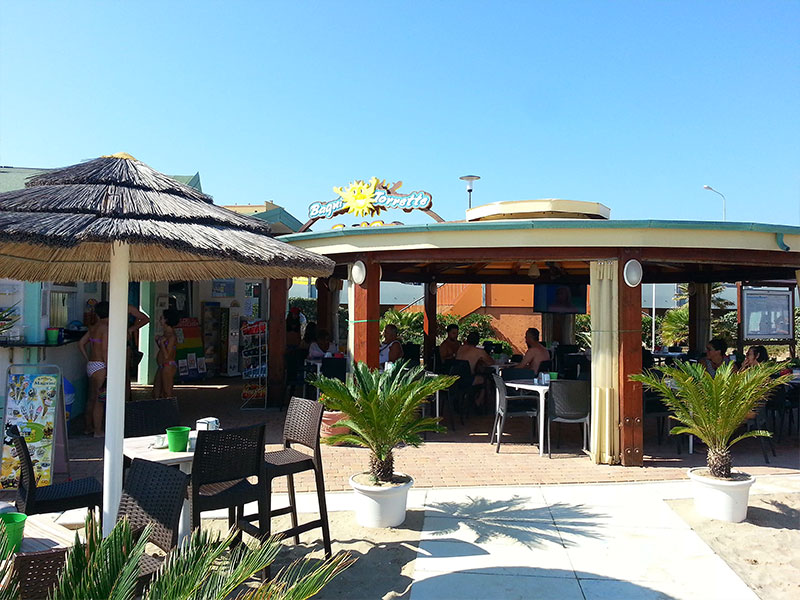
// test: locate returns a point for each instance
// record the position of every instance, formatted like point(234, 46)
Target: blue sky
point(632, 104)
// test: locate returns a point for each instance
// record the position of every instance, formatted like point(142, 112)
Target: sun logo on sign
point(358, 196)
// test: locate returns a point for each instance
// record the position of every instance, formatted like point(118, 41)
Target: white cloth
point(383, 356)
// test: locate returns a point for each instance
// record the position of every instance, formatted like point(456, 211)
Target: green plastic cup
point(553, 375)
point(178, 438)
point(14, 524)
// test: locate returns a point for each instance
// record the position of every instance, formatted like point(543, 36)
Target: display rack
point(254, 365)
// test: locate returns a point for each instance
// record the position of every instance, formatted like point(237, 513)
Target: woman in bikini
point(166, 357)
point(96, 358)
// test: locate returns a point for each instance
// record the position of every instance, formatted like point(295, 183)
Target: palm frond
point(9, 584)
point(301, 580)
point(383, 408)
point(102, 567)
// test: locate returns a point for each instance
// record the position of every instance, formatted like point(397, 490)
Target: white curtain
point(604, 298)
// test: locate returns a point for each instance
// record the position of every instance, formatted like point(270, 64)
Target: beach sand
point(385, 557)
point(764, 550)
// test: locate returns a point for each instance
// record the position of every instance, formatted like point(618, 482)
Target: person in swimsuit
point(96, 338)
point(136, 320)
point(166, 357)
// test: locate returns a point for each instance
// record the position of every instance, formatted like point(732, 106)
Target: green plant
point(201, 567)
point(383, 410)
point(675, 326)
point(713, 408)
point(506, 347)
point(409, 324)
point(725, 327)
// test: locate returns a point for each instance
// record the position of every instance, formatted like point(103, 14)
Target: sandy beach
point(764, 550)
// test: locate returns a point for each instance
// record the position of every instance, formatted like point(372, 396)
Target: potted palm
point(714, 409)
point(383, 410)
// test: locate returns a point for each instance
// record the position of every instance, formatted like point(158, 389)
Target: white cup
point(161, 440)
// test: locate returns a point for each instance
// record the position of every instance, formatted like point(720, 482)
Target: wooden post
point(699, 316)
point(323, 305)
point(630, 362)
point(276, 345)
point(429, 324)
point(366, 332)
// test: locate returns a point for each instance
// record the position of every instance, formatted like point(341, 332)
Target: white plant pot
point(720, 499)
point(381, 506)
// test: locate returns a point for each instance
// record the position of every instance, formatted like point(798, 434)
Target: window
point(63, 308)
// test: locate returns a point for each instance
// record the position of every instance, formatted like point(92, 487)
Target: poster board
point(189, 353)
point(767, 314)
point(35, 404)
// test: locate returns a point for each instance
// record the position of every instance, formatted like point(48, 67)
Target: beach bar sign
point(362, 199)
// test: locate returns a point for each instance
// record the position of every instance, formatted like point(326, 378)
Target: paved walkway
point(581, 542)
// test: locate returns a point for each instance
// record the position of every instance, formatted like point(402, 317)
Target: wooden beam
point(323, 305)
point(630, 362)
point(276, 345)
point(429, 323)
point(366, 332)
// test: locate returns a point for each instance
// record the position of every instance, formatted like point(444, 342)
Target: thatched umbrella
point(116, 219)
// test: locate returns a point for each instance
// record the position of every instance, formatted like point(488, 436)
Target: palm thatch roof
point(62, 225)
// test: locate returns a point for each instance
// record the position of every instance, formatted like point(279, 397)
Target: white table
point(42, 533)
point(142, 447)
point(542, 389)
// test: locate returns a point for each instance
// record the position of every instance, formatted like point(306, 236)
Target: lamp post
point(469, 179)
point(710, 189)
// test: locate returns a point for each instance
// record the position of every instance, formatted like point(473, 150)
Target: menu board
point(189, 349)
point(32, 405)
point(767, 314)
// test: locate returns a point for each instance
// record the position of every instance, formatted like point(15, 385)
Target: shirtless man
point(166, 357)
point(476, 357)
point(536, 353)
point(449, 347)
point(96, 338)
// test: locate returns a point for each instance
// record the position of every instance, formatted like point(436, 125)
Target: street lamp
point(469, 179)
point(710, 189)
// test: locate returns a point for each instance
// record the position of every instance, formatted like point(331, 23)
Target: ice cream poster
point(31, 405)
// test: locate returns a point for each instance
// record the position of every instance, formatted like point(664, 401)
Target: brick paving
point(458, 458)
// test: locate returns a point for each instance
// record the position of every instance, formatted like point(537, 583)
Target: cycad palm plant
point(714, 408)
point(383, 409)
point(203, 567)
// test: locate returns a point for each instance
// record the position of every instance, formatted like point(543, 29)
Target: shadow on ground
point(511, 518)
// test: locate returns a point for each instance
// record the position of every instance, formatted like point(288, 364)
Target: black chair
point(151, 417)
point(32, 500)
point(412, 353)
point(759, 421)
point(334, 368)
point(461, 393)
point(302, 425)
point(510, 407)
point(223, 461)
point(559, 353)
point(516, 358)
point(37, 572)
point(777, 405)
point(153, 494)
point(568, 402)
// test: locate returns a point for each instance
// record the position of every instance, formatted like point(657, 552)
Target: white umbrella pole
point(115, 390)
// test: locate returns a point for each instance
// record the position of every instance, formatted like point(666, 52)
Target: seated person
point(715, 355)
point(756, 355)
point(536, 353)
point(310, 335)
point(391, 350)
point(322, 346)
point(477, 358)
point(449, 347)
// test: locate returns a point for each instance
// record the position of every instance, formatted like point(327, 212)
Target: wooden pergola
point(562, 250)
